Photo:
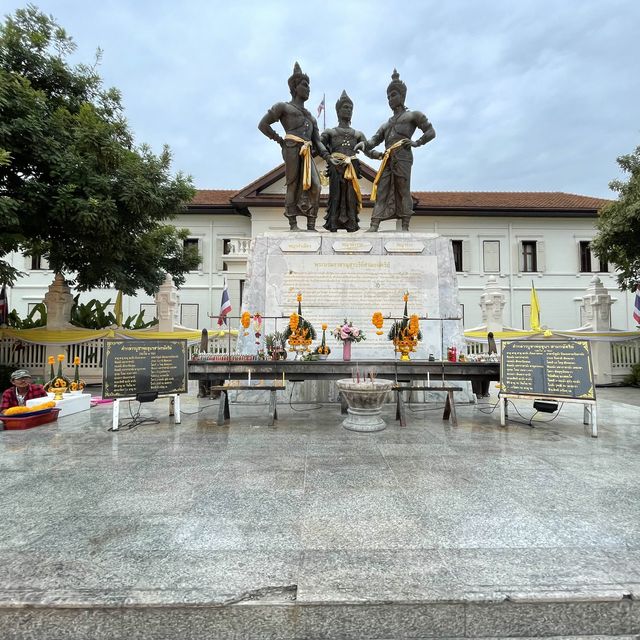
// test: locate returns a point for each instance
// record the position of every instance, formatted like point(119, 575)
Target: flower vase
point(346, 350)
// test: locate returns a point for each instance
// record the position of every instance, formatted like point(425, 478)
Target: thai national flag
point(225, 306)
point(321, 107)
point(636, 307)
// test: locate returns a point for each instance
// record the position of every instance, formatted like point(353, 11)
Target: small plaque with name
point(352, 246)
point(404, 246)
point(300, 246)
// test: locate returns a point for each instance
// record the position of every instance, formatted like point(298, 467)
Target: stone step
point(276, 616)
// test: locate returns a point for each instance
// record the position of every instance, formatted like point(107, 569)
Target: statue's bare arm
point(428, 132)
point(275, 114)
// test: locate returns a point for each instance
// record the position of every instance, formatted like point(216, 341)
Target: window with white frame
point(526, 316)
point(189, 315)
point(491, 256)
point(461, 254)
point(194, 243)
point(37, 263)
point(588, 262)
point(531, 256)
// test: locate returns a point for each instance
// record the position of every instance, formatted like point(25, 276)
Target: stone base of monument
point(364, 400)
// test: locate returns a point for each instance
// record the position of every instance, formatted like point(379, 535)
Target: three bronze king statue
point(339, 146)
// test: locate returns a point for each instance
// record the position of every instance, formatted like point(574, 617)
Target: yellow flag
point(117, 310)
point(534, 316)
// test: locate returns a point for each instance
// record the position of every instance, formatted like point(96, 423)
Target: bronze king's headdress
point(296, 77)
point(397, 84)
point(342, 99)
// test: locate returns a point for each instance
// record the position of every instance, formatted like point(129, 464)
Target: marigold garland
point(245, 319)
point(294, 319)
point(377, 320)
point(414, 325)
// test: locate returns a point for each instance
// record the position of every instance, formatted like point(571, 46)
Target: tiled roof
point(506, 200)
point(496, 200)
point(213, 197)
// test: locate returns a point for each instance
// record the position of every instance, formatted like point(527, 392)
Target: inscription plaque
point(404, 246)
point(554, 368)
point(352, 246)
point(138, 366)
point(300, 246)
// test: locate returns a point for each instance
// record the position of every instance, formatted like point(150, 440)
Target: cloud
point(534, 95)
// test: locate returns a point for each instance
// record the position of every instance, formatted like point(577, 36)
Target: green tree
point(73, 186)
point(618, 239)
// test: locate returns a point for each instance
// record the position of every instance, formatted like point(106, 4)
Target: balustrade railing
point(624, 355)
point(237, 247)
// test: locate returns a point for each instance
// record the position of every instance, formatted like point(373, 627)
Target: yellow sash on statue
point(383, 164)
point(349, 174)
point(305, 152)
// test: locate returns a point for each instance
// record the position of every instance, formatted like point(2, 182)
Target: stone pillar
point(596, 308)
point(58, 301)
point(492, 302)
point(167, 300)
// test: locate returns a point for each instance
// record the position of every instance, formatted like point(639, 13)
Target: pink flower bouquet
point(346, 332)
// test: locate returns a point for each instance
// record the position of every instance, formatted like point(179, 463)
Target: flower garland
point(377, 320)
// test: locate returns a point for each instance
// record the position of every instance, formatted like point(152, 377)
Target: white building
point(519, 238)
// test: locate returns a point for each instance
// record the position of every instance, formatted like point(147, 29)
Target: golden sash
point(349, 174)
point(305, 152)
point(383, 164)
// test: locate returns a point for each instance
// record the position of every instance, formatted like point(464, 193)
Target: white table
point(71, 403)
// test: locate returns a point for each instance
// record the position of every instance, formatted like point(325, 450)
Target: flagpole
point(324, 113)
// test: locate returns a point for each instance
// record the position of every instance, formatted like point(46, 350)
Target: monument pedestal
point(352, 276)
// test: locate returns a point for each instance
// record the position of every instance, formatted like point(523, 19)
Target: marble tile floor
point(306, 530)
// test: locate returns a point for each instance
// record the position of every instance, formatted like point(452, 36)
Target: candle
point(249, 377)
point(283, 378)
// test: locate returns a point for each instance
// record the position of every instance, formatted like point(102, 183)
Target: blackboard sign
point(555, 368)
point(131, 367)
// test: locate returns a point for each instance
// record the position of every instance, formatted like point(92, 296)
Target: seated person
point(21, 391)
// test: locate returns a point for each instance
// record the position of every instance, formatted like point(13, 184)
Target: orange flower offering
point(299, 297)
point(60, 357)
point(324, 326)
point(377, 320)
point(414, 325)
point(51, 359)
point(245, 319)
point(76, 361)
point(293, 321)
point(405, 297)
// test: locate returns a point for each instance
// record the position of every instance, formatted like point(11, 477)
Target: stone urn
point(364, 400)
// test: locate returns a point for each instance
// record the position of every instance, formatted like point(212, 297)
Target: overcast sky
point(524, 95)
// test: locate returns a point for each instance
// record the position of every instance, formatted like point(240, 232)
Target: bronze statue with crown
point(345, 199)
point(391, 190)
point(301, 139)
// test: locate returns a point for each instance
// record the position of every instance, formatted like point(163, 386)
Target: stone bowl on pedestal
point(364, 400)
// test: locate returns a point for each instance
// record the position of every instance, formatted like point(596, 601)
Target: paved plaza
point(306, 530)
